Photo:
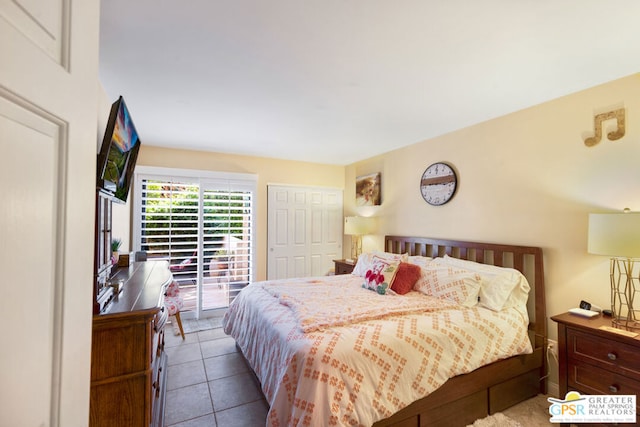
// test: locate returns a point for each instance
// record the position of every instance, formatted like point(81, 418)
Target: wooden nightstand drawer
point(343, 266)
point(595, 361)
point(608, 354)
point(594, 380)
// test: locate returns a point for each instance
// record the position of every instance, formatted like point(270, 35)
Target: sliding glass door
point(202, 225)
point(227, 239)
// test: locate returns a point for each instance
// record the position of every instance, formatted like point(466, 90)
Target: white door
point(48, 140)
point(304, 231)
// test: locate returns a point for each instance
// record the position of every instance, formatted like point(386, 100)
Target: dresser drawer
point(593, 380)
point(158, 390)
point(605, 353)
point(157, 332)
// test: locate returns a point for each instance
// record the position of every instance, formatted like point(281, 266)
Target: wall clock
point(438, 184)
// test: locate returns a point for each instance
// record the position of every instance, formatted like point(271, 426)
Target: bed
point(371, 362)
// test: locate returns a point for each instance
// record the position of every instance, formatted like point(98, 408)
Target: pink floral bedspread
point(362, 372)
point(319, 303)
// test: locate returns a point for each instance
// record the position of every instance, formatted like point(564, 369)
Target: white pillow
point(456, 284)
point(502, 287)
point(367, 260)
point(422, 261)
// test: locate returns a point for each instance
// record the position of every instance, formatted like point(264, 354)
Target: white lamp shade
point(615, 235)
point(358, 225)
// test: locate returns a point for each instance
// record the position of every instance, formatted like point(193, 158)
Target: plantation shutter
point(169, 223)
point(203, 225)
point(227, 233)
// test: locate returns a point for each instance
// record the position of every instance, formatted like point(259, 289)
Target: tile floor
point(209, 383)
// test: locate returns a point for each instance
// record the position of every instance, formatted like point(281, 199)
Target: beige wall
point(526, 178)
point(269, 171)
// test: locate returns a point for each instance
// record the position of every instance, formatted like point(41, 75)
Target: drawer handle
point(612, 356)
point(613, 388)
point(158, 382)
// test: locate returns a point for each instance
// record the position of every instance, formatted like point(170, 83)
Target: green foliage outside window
point(170, 219)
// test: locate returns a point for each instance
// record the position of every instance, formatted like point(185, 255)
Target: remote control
point(582, 312)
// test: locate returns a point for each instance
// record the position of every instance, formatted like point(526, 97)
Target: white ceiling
point(337, 81)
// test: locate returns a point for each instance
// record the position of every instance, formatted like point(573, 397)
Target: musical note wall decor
point(618, 115)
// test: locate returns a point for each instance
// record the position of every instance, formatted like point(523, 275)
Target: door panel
point(281, 233)
point(300, 227)
point(316, 226)
point(43, 23)
point(299, 266)
point(281, 264)
point(318, 265)
point(48, 127)
point(304, 231)
point(30, 215)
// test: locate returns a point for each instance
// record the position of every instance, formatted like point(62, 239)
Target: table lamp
point(356, 227)
point(618, 235)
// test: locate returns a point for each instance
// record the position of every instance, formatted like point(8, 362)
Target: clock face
point(438, 184)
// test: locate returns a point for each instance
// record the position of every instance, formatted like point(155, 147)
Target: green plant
point(115, 244)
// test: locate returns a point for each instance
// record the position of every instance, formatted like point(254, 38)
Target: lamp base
point(356, 246)
point(625, 285)
point(626, 324)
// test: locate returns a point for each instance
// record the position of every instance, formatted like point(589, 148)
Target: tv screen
point(119, 152)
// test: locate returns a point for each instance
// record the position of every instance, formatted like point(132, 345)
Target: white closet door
point(304, 231)
point(48, 127)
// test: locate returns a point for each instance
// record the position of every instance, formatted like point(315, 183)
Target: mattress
point(328, 352)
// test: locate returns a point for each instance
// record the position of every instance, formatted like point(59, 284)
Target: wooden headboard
point(526, 259)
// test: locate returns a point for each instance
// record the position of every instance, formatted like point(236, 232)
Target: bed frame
point(491, 388)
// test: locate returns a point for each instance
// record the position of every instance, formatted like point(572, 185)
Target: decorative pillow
point(380, 276)
point(406, 276)
point(454, 284)
point(502, 287)
point(366, 261)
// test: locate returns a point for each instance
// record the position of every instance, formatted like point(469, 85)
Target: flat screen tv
point(118, 153)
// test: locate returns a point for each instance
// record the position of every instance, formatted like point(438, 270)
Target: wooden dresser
point(595, 361)
point(128, 362)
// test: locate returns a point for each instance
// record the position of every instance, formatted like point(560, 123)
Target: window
point(202, 223)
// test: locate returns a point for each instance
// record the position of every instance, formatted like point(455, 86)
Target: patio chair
point(174, 303)
point(185, 264)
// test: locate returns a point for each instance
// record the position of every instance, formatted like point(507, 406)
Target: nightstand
point(342, 266)
point(593, 360)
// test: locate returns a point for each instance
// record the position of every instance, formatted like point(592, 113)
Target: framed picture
point(368, 190)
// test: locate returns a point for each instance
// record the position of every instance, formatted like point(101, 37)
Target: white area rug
point(496, 420)
point(193, 325)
